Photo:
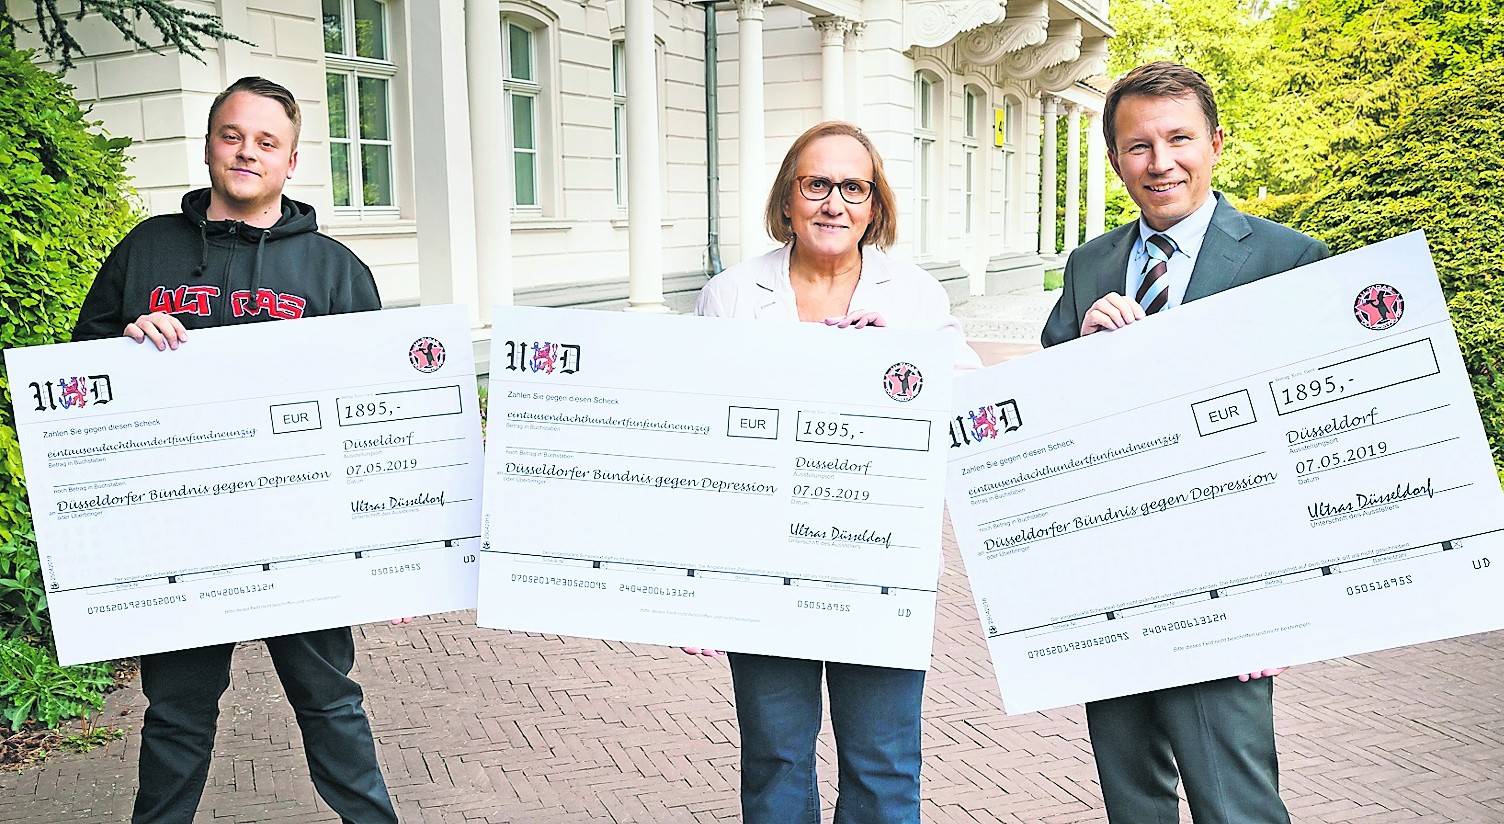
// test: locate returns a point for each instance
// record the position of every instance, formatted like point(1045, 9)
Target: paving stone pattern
point(478, 725)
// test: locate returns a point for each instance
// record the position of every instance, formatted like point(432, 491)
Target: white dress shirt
point(1187, 236)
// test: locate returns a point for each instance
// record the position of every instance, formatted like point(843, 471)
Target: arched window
point(522, 82)
point(619, 117)
point(973, 109)
point(1012, 137)
point(360, 70)
point(927, 97)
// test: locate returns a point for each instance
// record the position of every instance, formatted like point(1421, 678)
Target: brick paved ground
point(478, 725)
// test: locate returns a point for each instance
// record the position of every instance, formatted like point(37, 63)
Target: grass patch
point(90, 738)
point(1054, 279)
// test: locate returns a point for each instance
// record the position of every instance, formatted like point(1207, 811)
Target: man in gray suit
point(1160, 121)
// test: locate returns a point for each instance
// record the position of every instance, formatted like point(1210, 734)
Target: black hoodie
point(218, 272)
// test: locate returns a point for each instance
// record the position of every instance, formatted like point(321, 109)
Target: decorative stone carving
point(1062, 45)
point(1091, 62)
point(832, 30)
point(1027, 24)
point(750, 9)
point(932, 23)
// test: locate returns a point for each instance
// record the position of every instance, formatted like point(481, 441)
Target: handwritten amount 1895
point(370, 410)
point(830, 429)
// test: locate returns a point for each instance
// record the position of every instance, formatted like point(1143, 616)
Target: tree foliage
point(1438, 169)
point(1304, 87)
point(1228, 41)
point(177, 27)
point(64, 203)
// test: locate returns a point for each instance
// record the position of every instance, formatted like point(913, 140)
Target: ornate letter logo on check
point(902, 382)
point(71, 393)
point(426, 355)
point(548, 358)
point(1379, 307)
point(985, 424)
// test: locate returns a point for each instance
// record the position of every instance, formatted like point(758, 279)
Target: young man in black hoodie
point(240, 252)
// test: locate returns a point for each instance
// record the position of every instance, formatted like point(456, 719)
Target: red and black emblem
point(426, 355)
point(902, 382)
point(1379, 307)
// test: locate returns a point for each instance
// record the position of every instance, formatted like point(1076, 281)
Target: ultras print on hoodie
point(218, 272)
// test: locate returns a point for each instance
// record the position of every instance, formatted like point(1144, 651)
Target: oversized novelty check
point(1285, 472)
point(759, 487)
point(257, 481)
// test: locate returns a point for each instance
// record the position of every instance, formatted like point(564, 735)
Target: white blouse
point(907, 297)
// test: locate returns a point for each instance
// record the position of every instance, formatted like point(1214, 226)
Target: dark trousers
point(875, 714)
point(183, 689)
point(1220, 736)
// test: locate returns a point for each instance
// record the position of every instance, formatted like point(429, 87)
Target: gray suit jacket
point(1238, 249)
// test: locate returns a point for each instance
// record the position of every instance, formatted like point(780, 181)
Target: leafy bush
point(64, 203)
point(23, 600)
point(1440, 169)
point(1278, 208)
point(34, 686)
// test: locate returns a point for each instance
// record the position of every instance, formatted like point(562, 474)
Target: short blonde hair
point(881, 232)
point(264, 88)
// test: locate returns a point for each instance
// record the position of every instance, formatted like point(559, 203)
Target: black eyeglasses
point(853, 190)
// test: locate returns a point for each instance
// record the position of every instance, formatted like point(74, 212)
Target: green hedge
point(64, 202)
point(1441, 169)
point(1278, 208)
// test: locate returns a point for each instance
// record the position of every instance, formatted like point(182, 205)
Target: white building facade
point(491, 151)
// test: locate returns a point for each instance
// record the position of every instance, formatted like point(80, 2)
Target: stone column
point(1047, 181)
point(751, 188)
point(492, 169)
point(441, 157)
point(832, 65)
point(1072, 177)
point(853, 108)
point(644, 210)
point(1096, 176)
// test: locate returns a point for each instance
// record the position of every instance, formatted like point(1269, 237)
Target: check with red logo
point(1288, 471)
point(741, 485)
point(260, 480)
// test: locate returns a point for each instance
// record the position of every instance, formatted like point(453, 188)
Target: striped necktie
point(1154, 290)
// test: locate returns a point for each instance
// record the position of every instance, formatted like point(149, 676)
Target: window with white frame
point(1013, 124)
point(925, 100)
point(358, 83)
point(619, 117)
point(523, 87)
point(971, 110)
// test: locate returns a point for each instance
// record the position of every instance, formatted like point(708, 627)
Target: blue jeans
point(875, 713)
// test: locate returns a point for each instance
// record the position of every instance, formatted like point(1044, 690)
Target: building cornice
point(931, 23)
point(1062, 45)
point(1091, 61)
point(1027, 24)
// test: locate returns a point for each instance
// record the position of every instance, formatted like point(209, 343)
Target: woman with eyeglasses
point(833, 211)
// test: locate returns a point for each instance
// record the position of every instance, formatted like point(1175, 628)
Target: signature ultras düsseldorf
point(985, 423)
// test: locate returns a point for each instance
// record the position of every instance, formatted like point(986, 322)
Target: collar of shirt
point(1188, 235)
